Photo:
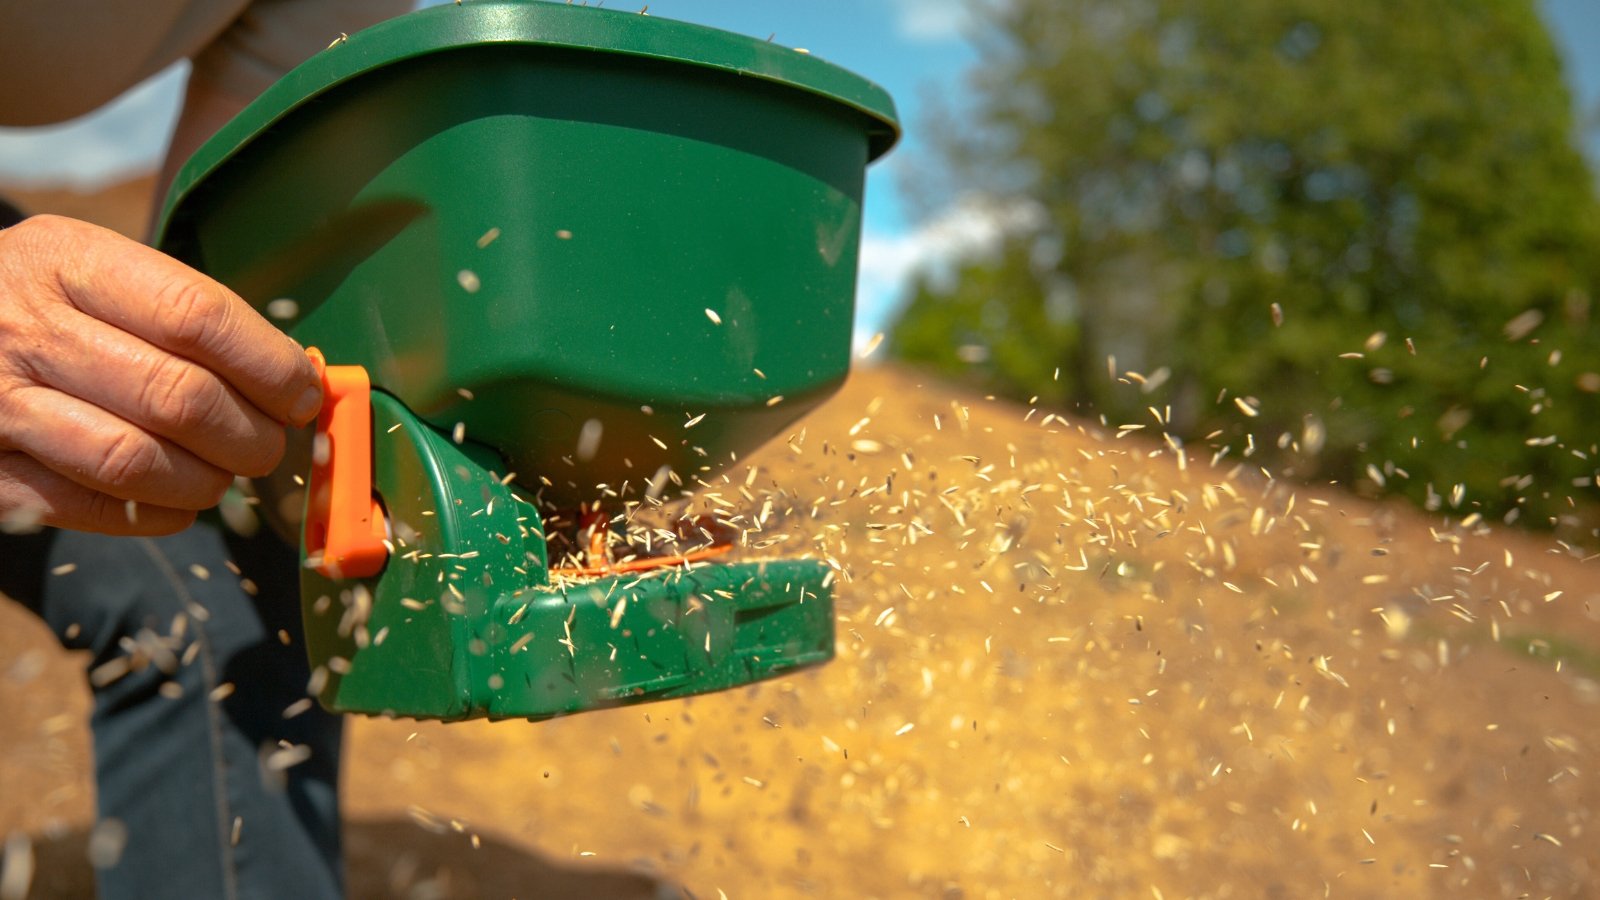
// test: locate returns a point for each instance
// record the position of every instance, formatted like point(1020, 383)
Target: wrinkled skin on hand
point(132, 388)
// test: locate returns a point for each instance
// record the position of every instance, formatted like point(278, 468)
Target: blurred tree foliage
point(1367, 221)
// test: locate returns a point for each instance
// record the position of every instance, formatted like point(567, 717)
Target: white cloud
point(124, 138)
point(931, 21)
point(970, 228)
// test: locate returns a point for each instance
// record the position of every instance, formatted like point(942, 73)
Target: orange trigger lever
point(345, 528)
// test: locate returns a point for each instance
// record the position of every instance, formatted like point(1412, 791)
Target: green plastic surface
point(633, 173)
point(463, 621)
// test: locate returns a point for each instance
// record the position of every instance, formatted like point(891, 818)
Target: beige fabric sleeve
point(64, 58)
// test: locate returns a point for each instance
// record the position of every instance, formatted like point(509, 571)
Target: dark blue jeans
point(223, 778)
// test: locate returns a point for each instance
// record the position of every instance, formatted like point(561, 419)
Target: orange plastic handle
point(344, 528)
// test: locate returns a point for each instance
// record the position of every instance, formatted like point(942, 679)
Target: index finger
point(149, 294)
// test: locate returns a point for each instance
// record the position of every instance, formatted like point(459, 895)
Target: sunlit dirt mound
point(1069, 665)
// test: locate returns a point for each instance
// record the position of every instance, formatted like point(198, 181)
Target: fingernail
point(306, 408)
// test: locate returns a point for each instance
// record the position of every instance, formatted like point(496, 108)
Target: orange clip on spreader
point(344, 532)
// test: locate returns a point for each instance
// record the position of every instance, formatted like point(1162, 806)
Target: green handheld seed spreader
point(534, 242)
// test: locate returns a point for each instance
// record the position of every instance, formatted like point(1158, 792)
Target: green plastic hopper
point(552, 236)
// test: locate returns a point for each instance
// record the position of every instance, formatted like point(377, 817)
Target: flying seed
point(693, 422)
point(468, 280)
point(589, 439)
point(106, 842)
point(712, 315)
point(488, 238)
point(282, 308)
point(285, 758)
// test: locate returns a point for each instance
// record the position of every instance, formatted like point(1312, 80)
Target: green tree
point(1366, 219)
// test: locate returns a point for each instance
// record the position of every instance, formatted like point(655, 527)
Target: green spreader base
point(669, 635)
point(465, 622)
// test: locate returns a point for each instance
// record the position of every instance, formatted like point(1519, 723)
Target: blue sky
point(914, 48)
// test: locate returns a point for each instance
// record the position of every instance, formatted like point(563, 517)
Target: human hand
point(132, 388)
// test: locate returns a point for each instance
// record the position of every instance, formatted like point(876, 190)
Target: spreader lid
point(548, 24)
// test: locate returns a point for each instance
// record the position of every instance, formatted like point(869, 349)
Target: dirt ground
point(1068, 666)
